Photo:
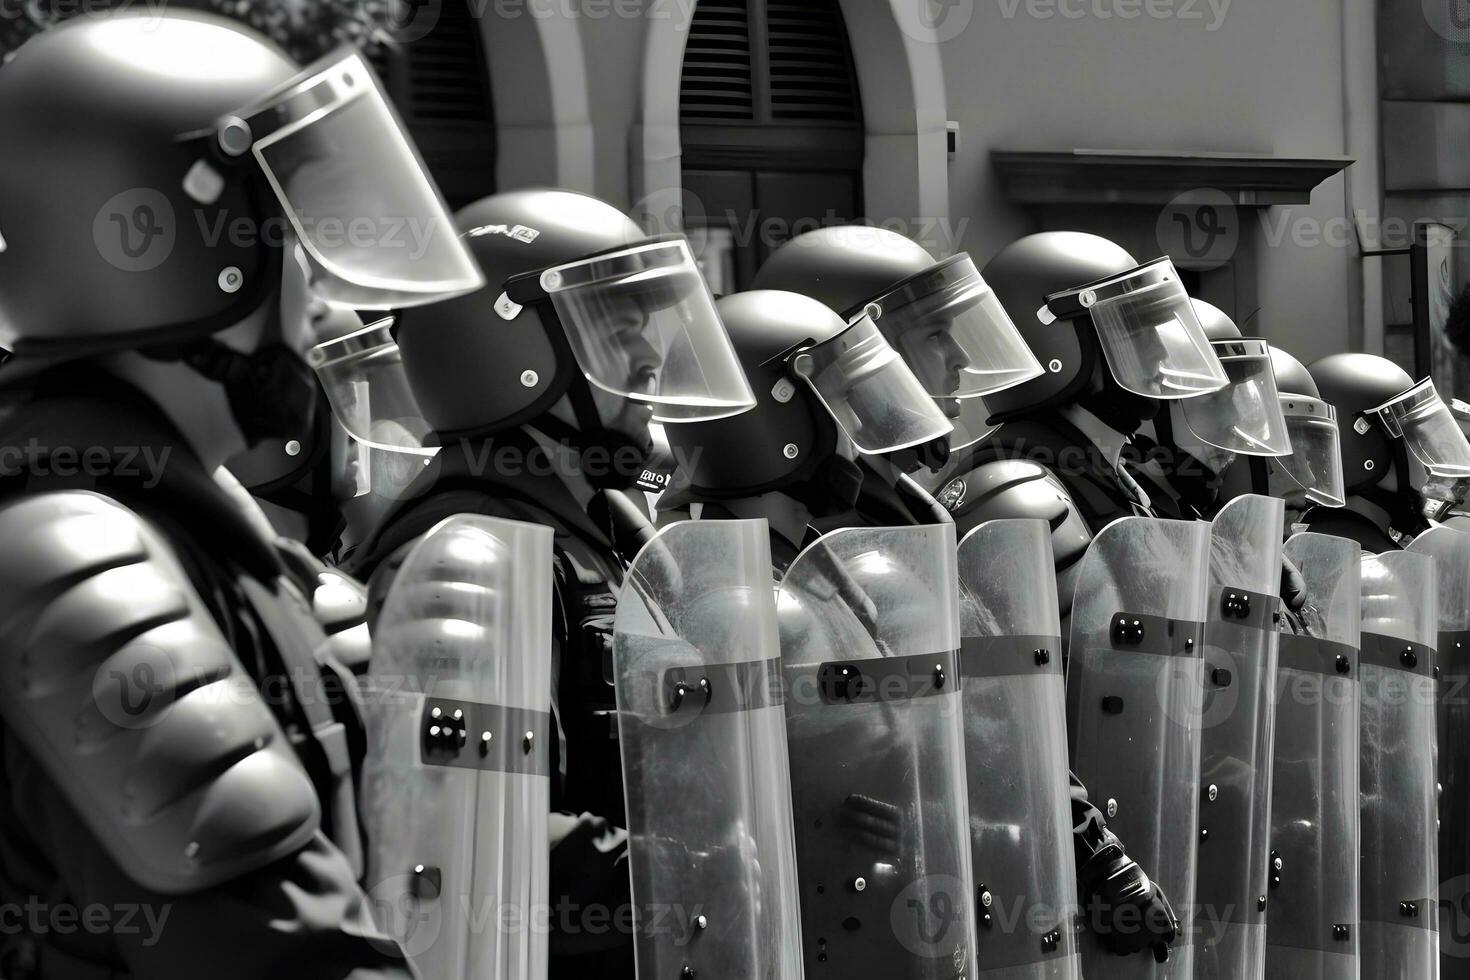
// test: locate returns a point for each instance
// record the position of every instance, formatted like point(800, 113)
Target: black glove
point(1293, 586)
point(1127, 911)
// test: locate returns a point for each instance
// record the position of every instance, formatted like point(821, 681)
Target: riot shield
point(1133, 707)
point(1237, 721)
point(1313, 887)
point(456, 783)
point(702, 730)
point(869, 641)
point(1015, 709)
point(1396, 695)
point(1451, 552)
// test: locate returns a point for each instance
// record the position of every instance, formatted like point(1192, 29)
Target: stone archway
point(538, 79)
point(906, 169)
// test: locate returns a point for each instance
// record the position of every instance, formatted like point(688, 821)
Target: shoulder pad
point(1015, 488)
point(121, 685)
point(340, 605)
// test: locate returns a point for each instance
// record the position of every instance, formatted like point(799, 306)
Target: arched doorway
point(771, 126)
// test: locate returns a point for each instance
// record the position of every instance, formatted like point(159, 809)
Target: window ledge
point(1152, 177)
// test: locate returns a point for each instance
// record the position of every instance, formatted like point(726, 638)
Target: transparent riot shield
point(1451, 552)
point(869, 641)
point(1312, 895)
point(456, 783)
point(1134, 685)
point(1015, 709)
point(1237, 719)
point(1396, 693)
point(702, 730)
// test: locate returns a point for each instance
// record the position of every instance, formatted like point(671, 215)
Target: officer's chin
point(950, 406)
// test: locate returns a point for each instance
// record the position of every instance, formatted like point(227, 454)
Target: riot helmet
point(1358, 386)
point(578, 304)
point(942, 317)
point(1245, 416)
point(1313, 469)
point(1076, 297)
point(815, 375)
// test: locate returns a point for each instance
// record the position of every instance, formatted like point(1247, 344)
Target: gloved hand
point(1126, 909)
point(1293, 586)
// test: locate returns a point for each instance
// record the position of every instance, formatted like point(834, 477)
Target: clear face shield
point(363, 376)
point(1314, 466)
point(642, 325)
point(1148, 330)
point(1424, 422)
point(1245, 416)
point(373, 226)
point(956, 337)
point(870, 391)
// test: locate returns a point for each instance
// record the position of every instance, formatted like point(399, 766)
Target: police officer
point(540, 389)
point(1403, 454)
point(167, 743)
point(789, 461)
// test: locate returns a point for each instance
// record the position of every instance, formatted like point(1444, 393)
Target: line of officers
point(1104, 641)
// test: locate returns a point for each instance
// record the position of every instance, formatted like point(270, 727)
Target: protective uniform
point(1451, 552)
point(697, 663)
point(869, 639)
point(177, 734)
point(1313, 894)
point(789, 447)
point(539, 389)
point(1384, 417)
point(1400, 886)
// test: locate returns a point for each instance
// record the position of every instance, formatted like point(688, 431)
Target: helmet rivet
point(551, 279)
point(235, 136)
point(1368, 464)
point(1055, 365)
point(1112, 808)
point(790, 450)
point(529, 379)
point(874, 310)
point(293, 448)
point(230, 279)
point(1088, 298)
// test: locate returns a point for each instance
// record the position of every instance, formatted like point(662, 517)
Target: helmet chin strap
point(591, 432)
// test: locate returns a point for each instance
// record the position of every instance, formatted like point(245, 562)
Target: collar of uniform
point(120, 444)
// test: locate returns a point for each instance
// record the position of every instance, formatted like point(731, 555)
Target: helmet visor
point(1422, 419)
point(1315, 462)
point(1148, 331)
point(971, 424)
point(956, 337)
point(358, 197)
point(643, 325)
point(1245, 416)
point(363, 376)
point(870, 391)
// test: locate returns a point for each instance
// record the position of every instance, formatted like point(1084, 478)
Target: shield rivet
point(859, 884)
point(1343, 663)
point(687, 973)
point(701, 923)
point(938, 676)
point(1261, 903)
point(1112, 809)
point(790, 450)
point(528, 742)
point(1204, 834)
point(986, 899)
point(1342, 933)
point(231, 279)
point(1213, 792)
point(1043, 657)
point(529, 378)
point(1409, 658)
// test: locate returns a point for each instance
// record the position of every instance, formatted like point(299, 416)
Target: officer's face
point(628, 324)
point(937, 360)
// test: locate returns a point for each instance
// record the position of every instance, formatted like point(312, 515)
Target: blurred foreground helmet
point(941, 317)
point(813, 374)
point(578, 302)
point(155, 168)
point(1381, 414)
point(1073, 295)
